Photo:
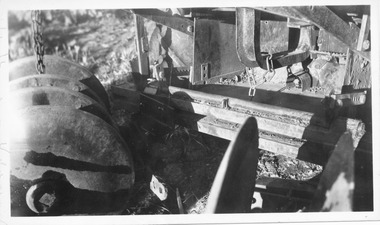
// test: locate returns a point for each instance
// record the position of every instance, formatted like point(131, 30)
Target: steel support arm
point(325, 19)
point(248, 43)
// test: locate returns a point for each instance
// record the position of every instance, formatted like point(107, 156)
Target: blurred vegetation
point(101, 40)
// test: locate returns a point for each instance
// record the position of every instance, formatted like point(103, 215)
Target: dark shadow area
point(40, 98)
point(363, 193)
point(95, 85)
point(49, 159)
point(67, 198)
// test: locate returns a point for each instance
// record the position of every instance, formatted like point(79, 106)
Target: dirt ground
point(103, 41)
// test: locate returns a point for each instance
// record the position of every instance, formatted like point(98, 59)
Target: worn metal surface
point(55, 81)
point(248, 43)
point(256, 109)
point(214, 43)
point(329, 73)
point(293, 133)
point(325, 19)
point(56, 96)
point(328, 43)
point(234, 183)
point(306, 80)
point(176, 46)
point(357, 72)
point(82, 148)
point(86, 149)
point(160, 112)
point(62, 67)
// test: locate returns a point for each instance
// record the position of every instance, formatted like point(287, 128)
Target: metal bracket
point(205, 71)
point(350, 99)
point(324, 18)
point(248, 42)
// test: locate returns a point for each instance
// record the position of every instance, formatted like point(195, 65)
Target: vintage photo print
point(117, 112)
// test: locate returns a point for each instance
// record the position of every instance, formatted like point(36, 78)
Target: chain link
point(253, 82)
point(39, 48)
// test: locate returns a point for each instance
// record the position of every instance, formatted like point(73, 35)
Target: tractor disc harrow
point(67, 156)
point(62, 67)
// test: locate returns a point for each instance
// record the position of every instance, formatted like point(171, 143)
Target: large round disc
point(58, 66)
point(90, 152)
point(56, 96)
point(38, 80)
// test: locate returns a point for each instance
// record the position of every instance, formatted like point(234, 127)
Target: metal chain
point(39, 48)
point(269, 62)
point(253, 82)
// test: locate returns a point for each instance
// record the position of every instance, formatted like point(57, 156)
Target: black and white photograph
point(195, 113)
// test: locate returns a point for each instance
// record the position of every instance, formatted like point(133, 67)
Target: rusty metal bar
point(363, 42)
point(293, 133)
point(182, 24)
point(289, 122)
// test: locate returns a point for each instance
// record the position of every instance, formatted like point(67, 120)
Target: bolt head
point(190, 29)
point(366, 44)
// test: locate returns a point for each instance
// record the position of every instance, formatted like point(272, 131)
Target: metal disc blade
point(56, 96)
point(55, 81)
point(88, 151)
point(234, 183)
point(58, 66)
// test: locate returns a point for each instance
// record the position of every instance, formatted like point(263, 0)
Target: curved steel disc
point(53, 80)
point(87, 150)
point(56, 96)
point(58, 66)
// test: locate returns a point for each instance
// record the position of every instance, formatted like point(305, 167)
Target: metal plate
point(56, 96)
point(55, 81)
point(214, 43)
point(58, 66)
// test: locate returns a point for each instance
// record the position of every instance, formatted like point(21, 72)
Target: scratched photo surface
point(162, 111)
